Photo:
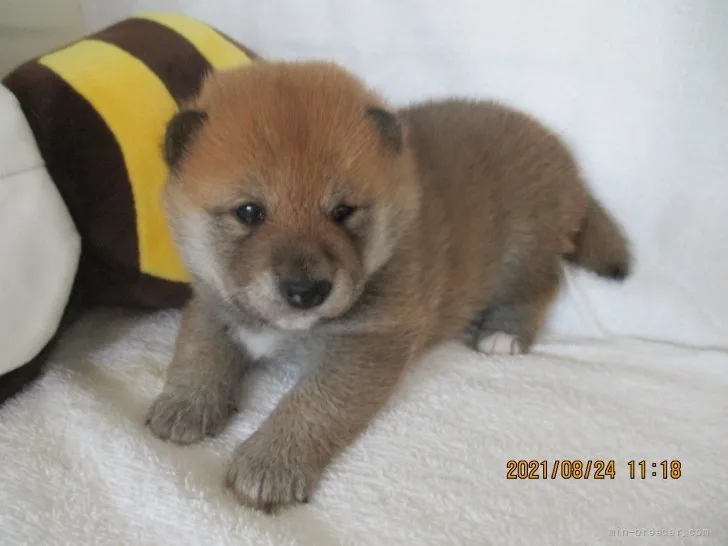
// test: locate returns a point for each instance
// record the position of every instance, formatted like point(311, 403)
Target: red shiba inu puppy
point(323, 226)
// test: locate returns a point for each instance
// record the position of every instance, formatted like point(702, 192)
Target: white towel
point(79, 467)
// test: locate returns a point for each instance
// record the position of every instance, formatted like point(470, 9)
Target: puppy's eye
point(341, 213)
point(250, 214)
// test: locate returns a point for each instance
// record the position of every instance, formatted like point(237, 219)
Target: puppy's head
point(290, 186)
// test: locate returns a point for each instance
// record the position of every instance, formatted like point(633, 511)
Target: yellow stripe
point(219, 52)
point(135, 105)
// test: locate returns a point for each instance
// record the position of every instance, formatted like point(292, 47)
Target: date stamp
point(594, 469)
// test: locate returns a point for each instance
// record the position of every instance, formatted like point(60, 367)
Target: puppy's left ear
point(181, 130)
point(388, 127)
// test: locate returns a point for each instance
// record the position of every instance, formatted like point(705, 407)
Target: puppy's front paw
point(188, 416)
point(267, 476)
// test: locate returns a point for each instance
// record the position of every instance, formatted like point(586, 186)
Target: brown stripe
point(83, 159)
point(108, 283)
point(172, 58)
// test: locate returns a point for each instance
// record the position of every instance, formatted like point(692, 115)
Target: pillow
point(97, 109)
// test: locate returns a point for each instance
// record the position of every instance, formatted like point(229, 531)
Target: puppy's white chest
point(259, 343)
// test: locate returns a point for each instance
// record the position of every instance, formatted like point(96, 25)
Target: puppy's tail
point(600, 245)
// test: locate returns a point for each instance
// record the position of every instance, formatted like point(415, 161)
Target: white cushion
point(39, 244)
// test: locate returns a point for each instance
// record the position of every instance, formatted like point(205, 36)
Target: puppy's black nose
point(305, 294)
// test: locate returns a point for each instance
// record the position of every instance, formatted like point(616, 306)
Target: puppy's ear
point(388, 127)
point(181, 130)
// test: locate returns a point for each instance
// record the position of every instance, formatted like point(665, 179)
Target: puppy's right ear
point(181, 130)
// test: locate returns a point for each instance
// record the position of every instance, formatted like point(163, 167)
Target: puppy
point(321, 225)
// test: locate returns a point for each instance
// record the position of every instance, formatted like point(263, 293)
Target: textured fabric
point(39, 245)
point(79, 467)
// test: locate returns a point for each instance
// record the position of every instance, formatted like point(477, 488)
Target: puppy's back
point(485, 160)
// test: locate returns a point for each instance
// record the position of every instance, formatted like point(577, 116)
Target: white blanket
point(78, 466)
point(640, 373)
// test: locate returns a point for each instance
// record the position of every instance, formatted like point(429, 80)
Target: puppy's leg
point(512, 324)
point(200, 391)
point(331, 404)
point(510, 328)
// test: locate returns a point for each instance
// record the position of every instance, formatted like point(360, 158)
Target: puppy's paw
point(500, 343)
point(188, 416)
point(267, 476)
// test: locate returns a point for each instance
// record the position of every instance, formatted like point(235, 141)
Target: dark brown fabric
point(111, 284)
point(15, 381)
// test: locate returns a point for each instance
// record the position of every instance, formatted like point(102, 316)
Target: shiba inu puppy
point(321, 225)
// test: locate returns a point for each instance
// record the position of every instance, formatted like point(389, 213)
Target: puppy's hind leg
point(512, 324)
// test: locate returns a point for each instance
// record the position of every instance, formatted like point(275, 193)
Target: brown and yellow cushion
point(98, 108)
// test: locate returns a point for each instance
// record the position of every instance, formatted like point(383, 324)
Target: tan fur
point(465, 209)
